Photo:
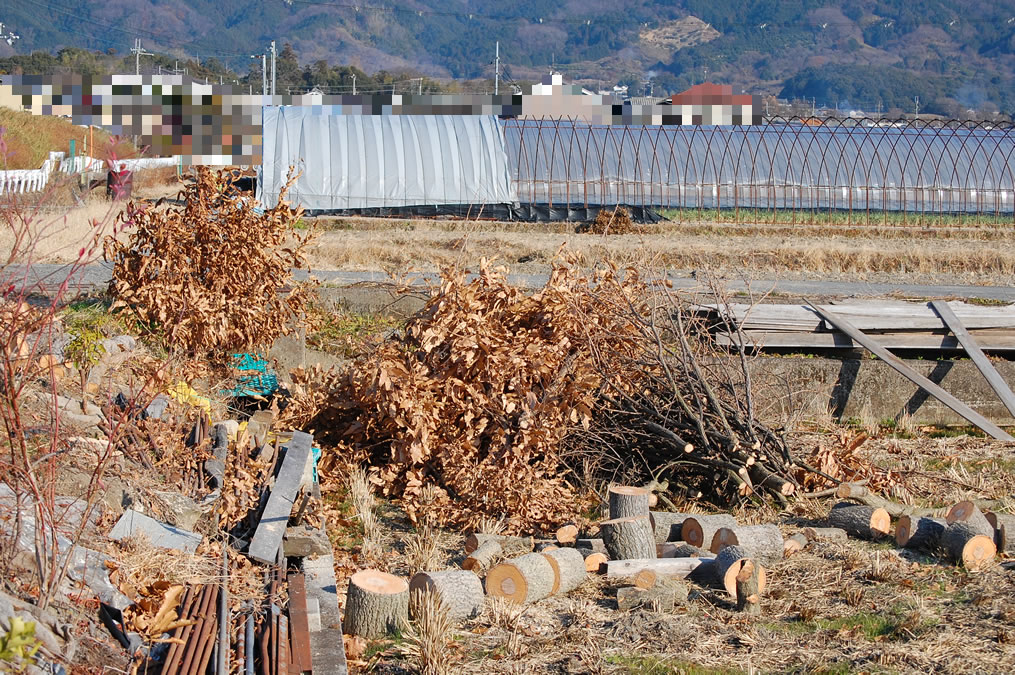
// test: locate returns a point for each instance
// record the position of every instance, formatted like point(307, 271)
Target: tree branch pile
point(492, 394)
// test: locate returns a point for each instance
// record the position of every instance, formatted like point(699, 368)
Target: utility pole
point(273, 55)
point(496, 77)
point(917, 100)
point(354, 84)
point(138, 51)
point(421, 86)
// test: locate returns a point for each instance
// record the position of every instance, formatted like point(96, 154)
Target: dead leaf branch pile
point(480, 391)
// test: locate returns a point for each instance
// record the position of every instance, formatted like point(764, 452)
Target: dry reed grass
point(363, 504)
point(427, 635)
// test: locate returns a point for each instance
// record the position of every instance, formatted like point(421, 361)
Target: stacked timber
point(894, 324)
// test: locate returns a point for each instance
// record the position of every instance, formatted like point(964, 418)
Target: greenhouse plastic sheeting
point(948, 168)
point(371, 161)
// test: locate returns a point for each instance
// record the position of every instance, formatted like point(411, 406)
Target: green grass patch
point(348, 334)
point(736, 216)
point(893, 623)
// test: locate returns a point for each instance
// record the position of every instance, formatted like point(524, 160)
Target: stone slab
point(132, 524)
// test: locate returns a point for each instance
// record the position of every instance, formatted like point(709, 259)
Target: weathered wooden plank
point(934, 390)
point(268, 537)
point(878, 316)
point(987, 368)
point(299, 626)
point(993, 341)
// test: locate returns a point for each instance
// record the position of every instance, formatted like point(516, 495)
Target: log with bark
point(460, 591)
point(763, 543)
point(666, 525)
point(698, 530)
point(748, 588)
point(967, 545)
point(510, 545)
point(1004, 530)
point(675, 549)
point(628, 538)
point(377, 604)
point(967, 512)
point(593, 545)
point(728, 564)
point(628, 501)
point(919, 532)
point(794, 544)
point(568, 569)
point(861, 521)
point(665, 567)
point(662, 596)
point(483, 557)
point(521, 580)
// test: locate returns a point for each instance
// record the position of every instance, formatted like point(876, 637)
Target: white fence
point(19, 181)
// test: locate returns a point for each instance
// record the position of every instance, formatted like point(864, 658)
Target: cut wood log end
point(595, 563)
point(629, 490)
point(644, 579)
point(567, 534)
point(524, 579)
point(375, 581)
point(881, 523)
point(978, 551)
point(729, 581)
point(903, 530)
point(960, 511)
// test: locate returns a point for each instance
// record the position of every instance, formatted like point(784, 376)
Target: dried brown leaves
point(478, 394)
point(210, 273)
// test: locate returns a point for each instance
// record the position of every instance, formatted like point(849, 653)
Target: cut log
point(967, 545)
point(628, 538)
point(568, 569)
point(460, 591)
point(762, 477)
point(666, 525)
point(748, 592)
point(522, 580)
point(698, 530)
point(546, 547)
point(860, 520)
point(795, 544)
point(728, 564)
point(377, 604)
point(595, 563)
point(1004, 530)
point(667, 567)
point(659, 598)
point(763, 543)
point(567, 535)
point(825, 534)
point(593, 545)
point(674, 549)
point(510, 545)
point(967, 512)
point(860, 494)
point(922, 533)
point(644, 579)
point(627, 501)
point(483, 557)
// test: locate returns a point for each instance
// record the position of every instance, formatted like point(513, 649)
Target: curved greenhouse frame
point(854, 165)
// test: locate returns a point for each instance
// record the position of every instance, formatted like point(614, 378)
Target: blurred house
point(710, 103)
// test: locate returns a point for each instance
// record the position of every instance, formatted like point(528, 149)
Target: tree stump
point(627, 501)
point(795, 544)
point(698, 530)
point(510, 545)
point(1004, 530)
point(666, 525)
point(728, 563)
point(825, 534)
point(568, 569)
point(567, 535)
point(748, 593)
point(483, 557)
point(967, 545)
point(967, 512)
point(762, 542)
point(860, 521)
point(661, 597)
point(673, 549)
point(376, 605)
point(628, 538)
point(460, 591)
point(595, 562)
point(923, 533)
point(522, 580)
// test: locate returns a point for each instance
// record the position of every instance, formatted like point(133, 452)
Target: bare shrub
point(613, 221)
point(426, 636)
point(211, 273)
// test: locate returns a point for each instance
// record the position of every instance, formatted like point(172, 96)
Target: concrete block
point(327, 646)
point(314, 614)
point(303, 541)
point(132, 524)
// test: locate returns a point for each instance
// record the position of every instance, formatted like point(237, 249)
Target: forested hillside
point(951, 55)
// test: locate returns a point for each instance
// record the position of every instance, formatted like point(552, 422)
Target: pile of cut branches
point(210, 273)
point(492, 395)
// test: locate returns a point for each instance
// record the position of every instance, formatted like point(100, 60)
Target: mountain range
point(942, 57)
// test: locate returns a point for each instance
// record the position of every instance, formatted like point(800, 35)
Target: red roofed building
point(710, 103)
